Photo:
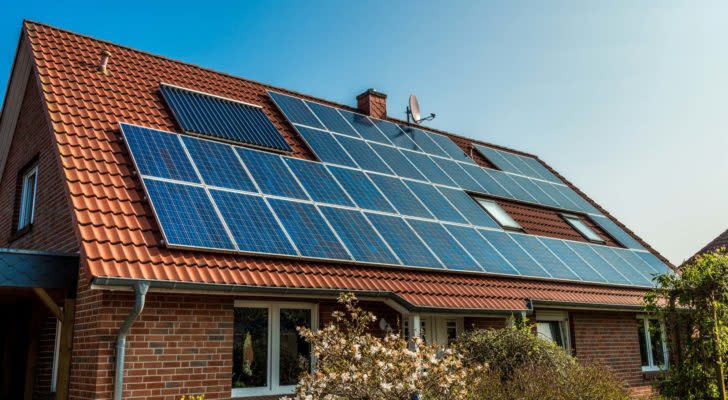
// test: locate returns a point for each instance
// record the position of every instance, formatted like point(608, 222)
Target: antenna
point(413, 111)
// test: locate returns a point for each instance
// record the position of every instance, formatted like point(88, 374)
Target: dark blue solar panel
point(361, 189)
point(452, 149)
point(428, 168)
point(400, 196)
point(518, 192)
point(397, 162)
point(474, 213)
point(187, 216)
point(360, 151)
point(622, 266)
point(496, 157)
point(458, 174)
point(444, 246)
point(534, 190)
point(358, 236)
point(423, 141)
point(295, 110)
point(218, 164)
point(541, 253)
point(326, 148)
point(271, 174)
point(570, 258)
point(637, 262)
point(332, 119)
point(481, 250)
point(408, 247)
point(435, 202)
point(576, 199)
point(158, 153)
point(514, 253)
point(489, 185)
point(221, 118)
point(318, 182)
point(541, 169)
point(308, 230)
point(655, 262)
point(556, 194)
point(598, 263)
point(616, 232)
point(364, 126)
point(395, 135)
point(252, 224)
point(519, 164)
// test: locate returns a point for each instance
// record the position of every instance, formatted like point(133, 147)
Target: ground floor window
point(268, 353)
point(653, 346)
point(554, 326)
point(440, 330)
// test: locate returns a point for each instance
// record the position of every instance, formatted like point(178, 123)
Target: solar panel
point(576, 263)
point(519, 164)
point(496, 157)
point(395, 135)
point(518, 192)
point(222, 118)
point(444, 246)
point(318, 182)
point(364, 126)
point(473, 213)
point(451, 148)
point(158, 153)
point(400, 196)
point(489, 185)
point(637, 262)
point(397, 162)
point(359, 236)
point(622, 266)
point(325, 146)
point(423, 141)
point(655, 262)
point(541, 169)
point(218, 165)
point(458, 174)
point(576, 199)
point(428, 168)
point(534, 190)
point(553, 192)
point(400, 237)
point(435, 202)
point(518, 258)
point(360, 151)
point(332, 119)
point(308, 230)
point(295, 110)
point(543, 255)
point(616, 232)
point(271, 174)
point(252, 224)
point(187, 216)
point(361, 189)
point(598, 263)
point(481, 250)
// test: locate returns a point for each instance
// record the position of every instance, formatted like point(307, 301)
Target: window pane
point(658, 353)
point(27, 200)
point(643, 343)
point(550, 330)
point(295, 351)
point(250, 348)
point(578, 224)
point(451, 330)
point(499, 214)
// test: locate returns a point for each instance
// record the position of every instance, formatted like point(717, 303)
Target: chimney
point(372, 103)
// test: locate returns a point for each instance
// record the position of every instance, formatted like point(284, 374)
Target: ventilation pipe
point(103, 66)
point(140, 289)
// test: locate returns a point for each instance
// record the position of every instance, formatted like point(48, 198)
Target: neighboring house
point(719, 242)
point(140, 184)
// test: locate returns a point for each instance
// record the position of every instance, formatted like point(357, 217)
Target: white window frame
point(274, 345)
point(651, 365)
point(499, 214)
point(433, 329)
point(578, 223)
point(562, 317)
point(26, 211)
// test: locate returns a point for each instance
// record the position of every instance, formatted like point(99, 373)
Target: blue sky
point(626, 99)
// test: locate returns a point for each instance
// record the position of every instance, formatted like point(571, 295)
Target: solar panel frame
point(451, 148)
point(534, 190)
point(537, 166)
point(514, 253)
point(655, 262)
point(516, 190)
point(332, 119)
point(165, 158)
point(364, 126)
point(428, 168)
point(577, 264)
point(400, 196)
point(423, 141)
point(404, 241)
point(487, 256)
point(361, 189)
point(271, 173)
point(438, 204)
point(363, 155)
point(295, 109)
point(209, 157)
point(395, 135)
point(496, 158)
point(598, 263)
point(543, 255)
point(318, 182)
point(361, 238)
point(468, 207)
point(444, 246)
point(621, 265)
point(325, 147)
point(458, 174)
point(616, 232)
point(397, 162)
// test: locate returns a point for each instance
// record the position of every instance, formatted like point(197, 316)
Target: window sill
point(17, 234)
point(651, 374)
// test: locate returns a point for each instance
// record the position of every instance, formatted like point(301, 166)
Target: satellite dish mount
point(413, 111)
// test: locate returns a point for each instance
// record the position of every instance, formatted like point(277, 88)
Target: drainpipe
point(141, 292)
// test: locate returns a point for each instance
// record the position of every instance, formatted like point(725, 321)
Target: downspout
point(140, 289)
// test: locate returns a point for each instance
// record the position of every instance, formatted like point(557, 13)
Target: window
point(268, 353)
point(56, 353)
point(581, 226)
point(554, 326)
point(440, 330)
point(28, 186)
point(499, 214)
point(653, 346)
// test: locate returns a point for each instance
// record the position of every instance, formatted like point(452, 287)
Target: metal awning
point(37, 269)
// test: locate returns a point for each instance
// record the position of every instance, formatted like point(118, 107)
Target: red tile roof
point(120, 238)
point(718, 242)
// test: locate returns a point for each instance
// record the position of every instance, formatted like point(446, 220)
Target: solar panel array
point(218, 196)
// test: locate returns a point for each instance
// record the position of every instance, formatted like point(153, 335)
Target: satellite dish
point(413, 111)
point(414, 108)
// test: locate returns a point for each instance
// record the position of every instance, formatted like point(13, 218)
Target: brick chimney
point(372, 103)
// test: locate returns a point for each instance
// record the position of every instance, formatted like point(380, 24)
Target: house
point(166, 227)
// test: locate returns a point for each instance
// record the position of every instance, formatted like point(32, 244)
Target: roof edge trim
point(15, 92)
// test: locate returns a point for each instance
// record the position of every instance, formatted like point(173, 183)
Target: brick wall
point(44, 361)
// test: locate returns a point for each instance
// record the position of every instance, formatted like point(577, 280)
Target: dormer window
point(499, 214)
point(577, 223)
point(28, 187)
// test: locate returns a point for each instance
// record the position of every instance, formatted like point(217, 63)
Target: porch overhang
point(37, 269)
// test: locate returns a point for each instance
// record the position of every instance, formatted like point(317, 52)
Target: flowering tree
point(352, 364)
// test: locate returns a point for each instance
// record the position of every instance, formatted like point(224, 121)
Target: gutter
point(141, 288)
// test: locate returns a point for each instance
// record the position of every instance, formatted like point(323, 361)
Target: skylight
point(499, 214)
point(579, 224)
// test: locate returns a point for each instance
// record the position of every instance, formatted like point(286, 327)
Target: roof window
point(577, 223)
point(499, 214)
